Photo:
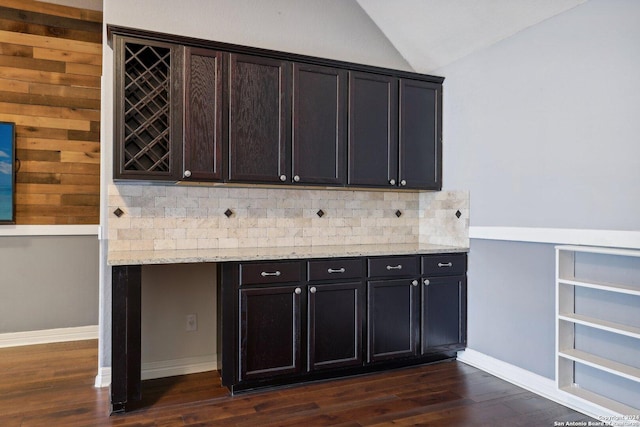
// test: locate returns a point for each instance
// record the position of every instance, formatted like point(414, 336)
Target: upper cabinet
point(373, 130)
point(202, 114)
point(148, 105)
point(196, 110)
point(394, 132)
point(420, 135)
point(319, 133)
point(259, 122)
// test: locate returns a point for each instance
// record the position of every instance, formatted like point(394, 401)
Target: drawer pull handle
point(394, 267)
point(339, 270)
point(445, 264)
point(266, 273)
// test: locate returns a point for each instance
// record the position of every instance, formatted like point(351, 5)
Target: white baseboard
point(535, 383)
point(103, 379)
point(164, 368)
point(49, 230)
point(15, 339)
point(170, 368)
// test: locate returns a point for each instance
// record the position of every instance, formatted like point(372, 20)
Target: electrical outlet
point(192, 323)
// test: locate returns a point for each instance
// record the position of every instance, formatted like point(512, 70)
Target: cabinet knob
point(298, 291)
point(392, 181)
point(403, 182)
point(187, 174)
point(313, 290)
point(283, 178)
point(426, 282)
point(414, 283)
point(296, 178)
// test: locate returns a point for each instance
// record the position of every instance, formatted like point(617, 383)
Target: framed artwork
point(7, 173)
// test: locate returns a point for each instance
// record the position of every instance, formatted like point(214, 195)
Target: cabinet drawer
point(335, 269)
point(271, 272)
point(393, 266)
point(444, 265)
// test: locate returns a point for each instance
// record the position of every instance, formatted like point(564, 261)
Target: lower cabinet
point(334, 325)
point(393, 321)
point(444, 303)
point(443, 314)
point(292, 321)
point(270, 331)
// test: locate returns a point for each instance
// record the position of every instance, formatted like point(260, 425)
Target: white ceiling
point(430, 34)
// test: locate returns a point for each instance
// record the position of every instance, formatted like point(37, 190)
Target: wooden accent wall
point(50, 68)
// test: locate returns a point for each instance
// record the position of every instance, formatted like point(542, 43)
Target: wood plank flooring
point(52, 385)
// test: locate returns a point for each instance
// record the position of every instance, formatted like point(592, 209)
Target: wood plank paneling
point(50, 68)
point(55, 10)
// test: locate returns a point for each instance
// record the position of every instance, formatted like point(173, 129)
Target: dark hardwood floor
point(52, 385)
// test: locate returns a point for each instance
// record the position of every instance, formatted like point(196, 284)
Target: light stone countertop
point(271, 253)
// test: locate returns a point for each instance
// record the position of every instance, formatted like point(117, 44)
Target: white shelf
point(612, 405)
point(616, 328)
point(603, 286)
point(599, 250)
point(567, 356)
point(615, 368)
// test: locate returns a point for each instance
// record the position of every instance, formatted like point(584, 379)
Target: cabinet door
point(420, 135)
point(203, 115)
point(319, 116)
point(373, 130)
point(393, 319)
point(148, 110)
point(270, 322)
point(443, 314)
point(335, 325)
point(259, 119)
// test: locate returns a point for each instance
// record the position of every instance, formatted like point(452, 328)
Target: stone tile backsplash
point(160, 217)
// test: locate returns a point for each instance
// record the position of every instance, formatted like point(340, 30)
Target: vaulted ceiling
point(430, 34)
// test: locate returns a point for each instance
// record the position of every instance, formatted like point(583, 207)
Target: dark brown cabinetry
point(259, 109)
point(203, 114)
point(373, 130)
point(334, 313)
point(420, 135)
point(254, 116)
point(270, 325)
point(300, 320)
point(393, 303)
point(148, 109)
point(394, 132)
point(286, 122)
point(319, 117)
point(444, 303)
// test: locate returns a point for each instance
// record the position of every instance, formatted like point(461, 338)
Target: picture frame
point(7, 173)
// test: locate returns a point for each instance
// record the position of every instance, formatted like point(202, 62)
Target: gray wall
point(48, 282)
point(542, 129)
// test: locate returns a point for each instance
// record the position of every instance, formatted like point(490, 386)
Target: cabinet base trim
point(535, 383)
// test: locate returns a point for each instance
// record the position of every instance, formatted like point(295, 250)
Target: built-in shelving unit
point(575, 319)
